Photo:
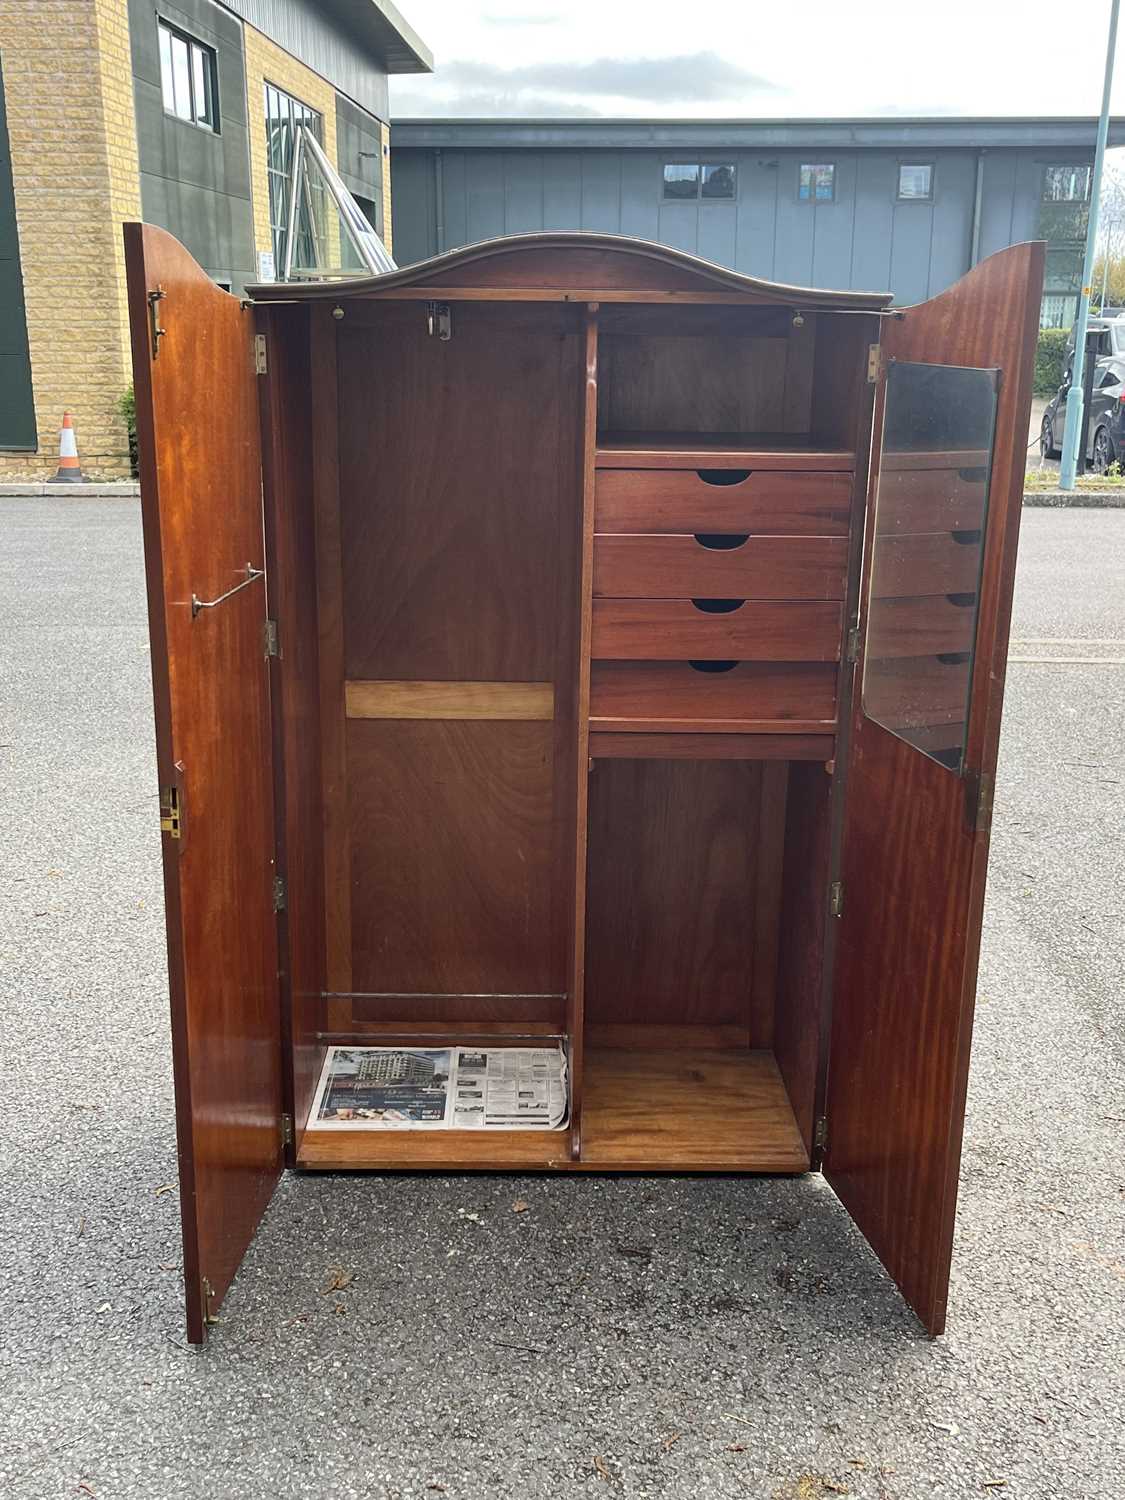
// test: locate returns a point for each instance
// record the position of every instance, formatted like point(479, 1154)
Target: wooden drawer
point(720, 566)
point(945, 563)
point(789, 502)
point(673, 695)
point(921, 626)
point(679, 629)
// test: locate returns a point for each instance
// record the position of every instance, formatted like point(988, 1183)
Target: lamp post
point(1074, 397)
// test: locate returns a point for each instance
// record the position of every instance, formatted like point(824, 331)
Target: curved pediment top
point(579, 263)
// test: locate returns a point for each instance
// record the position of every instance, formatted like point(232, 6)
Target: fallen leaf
point(670, 1442)
point(602, 1467)
point(106, 1307)
point(736, 1447)
point(993, 1484)
point(440, 1487)
point(82, 1485)
point(950, 1427)
point(833, 1488)
point(340, 1307)
point(520, 1206)
point(338, 1281)
point(858, 1463)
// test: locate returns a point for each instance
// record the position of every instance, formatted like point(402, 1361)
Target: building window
point(816, 182)
point(283, 115)
point(188, 78)
point(691, 181)
point(1067, 184)
point(915, 181)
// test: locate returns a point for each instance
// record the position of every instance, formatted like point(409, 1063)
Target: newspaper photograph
point(442, 1088)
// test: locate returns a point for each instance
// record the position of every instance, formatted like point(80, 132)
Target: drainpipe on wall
point(439, 203)
point(978, 195)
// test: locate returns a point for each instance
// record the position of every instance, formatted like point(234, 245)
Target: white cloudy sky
point(720, 58)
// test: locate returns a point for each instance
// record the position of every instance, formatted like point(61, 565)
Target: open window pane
point(681, 181)
point(202, 69)
point(719, 180)
point(181, 78)
point(930, 518)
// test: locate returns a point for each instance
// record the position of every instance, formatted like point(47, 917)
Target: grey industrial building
point(863, 204)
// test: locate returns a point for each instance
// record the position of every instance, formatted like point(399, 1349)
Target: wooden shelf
point(717, 450)
point(689, 1110)
point(663, 1107)
point(433, 1150)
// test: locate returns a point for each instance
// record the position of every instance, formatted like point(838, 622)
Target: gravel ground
point(673, 1338)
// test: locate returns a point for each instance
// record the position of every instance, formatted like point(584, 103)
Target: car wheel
point(1103, 451)
point(1047, 447)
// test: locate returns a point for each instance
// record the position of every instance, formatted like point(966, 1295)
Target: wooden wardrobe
point(567, 638)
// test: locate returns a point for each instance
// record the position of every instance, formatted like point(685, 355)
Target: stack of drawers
point(718, 598)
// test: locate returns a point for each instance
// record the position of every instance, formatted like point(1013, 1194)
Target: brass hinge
point(261, 363)
point(980, 794)
point(270, 644)
point(852, 649)
point(287, 1130)
point(439, 321)
point(171, 813)
point(208, 1297)
point(280, 893)
point(820, 1132)
point(836, 898)
point(874, 361)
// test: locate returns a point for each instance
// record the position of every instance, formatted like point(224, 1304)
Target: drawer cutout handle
point(713, 666)
point(966, 538)
point(724, 476)
point(962, 601)
point(718, 541)
point(953, 658)
point(718, 606)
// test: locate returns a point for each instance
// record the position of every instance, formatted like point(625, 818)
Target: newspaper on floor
point(441, 1088)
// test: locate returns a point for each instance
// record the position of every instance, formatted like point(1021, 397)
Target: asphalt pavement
point(413, 1336)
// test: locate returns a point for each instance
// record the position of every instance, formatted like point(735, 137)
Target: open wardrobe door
point(942, 527)
point(201, 493)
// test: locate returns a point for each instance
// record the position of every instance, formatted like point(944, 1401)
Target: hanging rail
point(251, 574)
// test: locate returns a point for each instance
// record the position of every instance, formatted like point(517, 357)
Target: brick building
point(180, 114)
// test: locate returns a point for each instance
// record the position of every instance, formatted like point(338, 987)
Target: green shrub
point(1050, 360)
point(127, 406)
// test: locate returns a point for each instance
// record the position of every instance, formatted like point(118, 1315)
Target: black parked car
point(1105, 439)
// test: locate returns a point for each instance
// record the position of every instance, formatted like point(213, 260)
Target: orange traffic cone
point(69, 470)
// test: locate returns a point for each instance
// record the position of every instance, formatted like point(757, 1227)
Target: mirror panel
point(931, 512)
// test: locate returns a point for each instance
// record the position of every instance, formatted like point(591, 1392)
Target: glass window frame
point(912, 165)
point(289, 112)
point(812, 196)
point(700, 168)
point(202, 77)
point(1065, 166)
point(718, 166)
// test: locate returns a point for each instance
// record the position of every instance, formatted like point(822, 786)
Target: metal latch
point(438, 321)
point(287, 1130)
point(156, 333)
point(170, 811)
point(270, 646)
point(836, 898)
point(874, 361)
point(851, 651)
point(280, 894)
point(820, 1132)
point(261, 364)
